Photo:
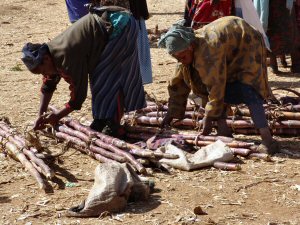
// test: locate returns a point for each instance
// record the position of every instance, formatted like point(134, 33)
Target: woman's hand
point(39, 124)
point(51, 118)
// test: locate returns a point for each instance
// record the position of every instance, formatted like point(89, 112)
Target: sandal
point(270, 149)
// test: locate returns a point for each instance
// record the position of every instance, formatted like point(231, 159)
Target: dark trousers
point(237, 93)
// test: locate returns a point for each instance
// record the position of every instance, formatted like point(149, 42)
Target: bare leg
point(269, 145)
point(266, 136)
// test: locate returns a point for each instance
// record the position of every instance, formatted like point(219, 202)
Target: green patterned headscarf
point(177, 39)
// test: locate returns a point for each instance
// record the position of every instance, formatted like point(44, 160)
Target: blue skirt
point(76, 9)
point(144, 53)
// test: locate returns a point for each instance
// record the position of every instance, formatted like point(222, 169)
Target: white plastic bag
point(204, 157)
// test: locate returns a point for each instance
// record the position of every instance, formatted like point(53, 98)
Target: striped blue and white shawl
point(118, 70)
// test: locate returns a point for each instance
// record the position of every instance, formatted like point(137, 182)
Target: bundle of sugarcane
point(103, 147)
point(18, 148)
point(155, 137)
point(281, 122)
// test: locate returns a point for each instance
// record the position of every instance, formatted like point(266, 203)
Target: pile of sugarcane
point(155, 137)
point(105, 148)
point(18, 148)
point(283, 120)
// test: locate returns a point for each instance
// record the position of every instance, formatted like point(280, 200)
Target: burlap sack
point(114, 184)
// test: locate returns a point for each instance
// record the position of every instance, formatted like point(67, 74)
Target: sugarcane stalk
point(5, 127)
point(107, 154)
point(18, 155)
point(144, 162)
point(153, 108)
point(136, 150)
point(102, 159)
point(10, 131)
point(11, 138)
point(141, 152)
point(165, 155)
point(71, 139)
point(74, 133)
point(241, 151)
point(286, 131)
point(292, 108)
point(40, 163)
point(144, 133)
point(156, 114)
point(288, 115)
point(142, 129)
point(234, 124)
point(82, 146)
point(234, 144)
point(92, 133)
point(188, 114)
point(118, 151)
point(279, 131)
point(197, 137)
point(250, 124)
point(149, 103)
point(227, 166)
point(29, 153)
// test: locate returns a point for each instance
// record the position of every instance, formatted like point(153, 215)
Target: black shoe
point(113, 129)
point(98, 124)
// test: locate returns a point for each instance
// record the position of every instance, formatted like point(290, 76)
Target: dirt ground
point(261, 193)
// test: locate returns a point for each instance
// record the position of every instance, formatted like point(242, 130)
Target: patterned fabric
point(248, 12)
point(76, 9)
point(117, 71)
point(227, 50)
point(201, 12)
point(144, 53)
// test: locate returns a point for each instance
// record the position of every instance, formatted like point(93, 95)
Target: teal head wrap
point(177, 39)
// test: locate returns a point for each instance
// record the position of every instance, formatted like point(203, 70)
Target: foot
point(271, 148)
point(98, 124)
point(113, 129)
